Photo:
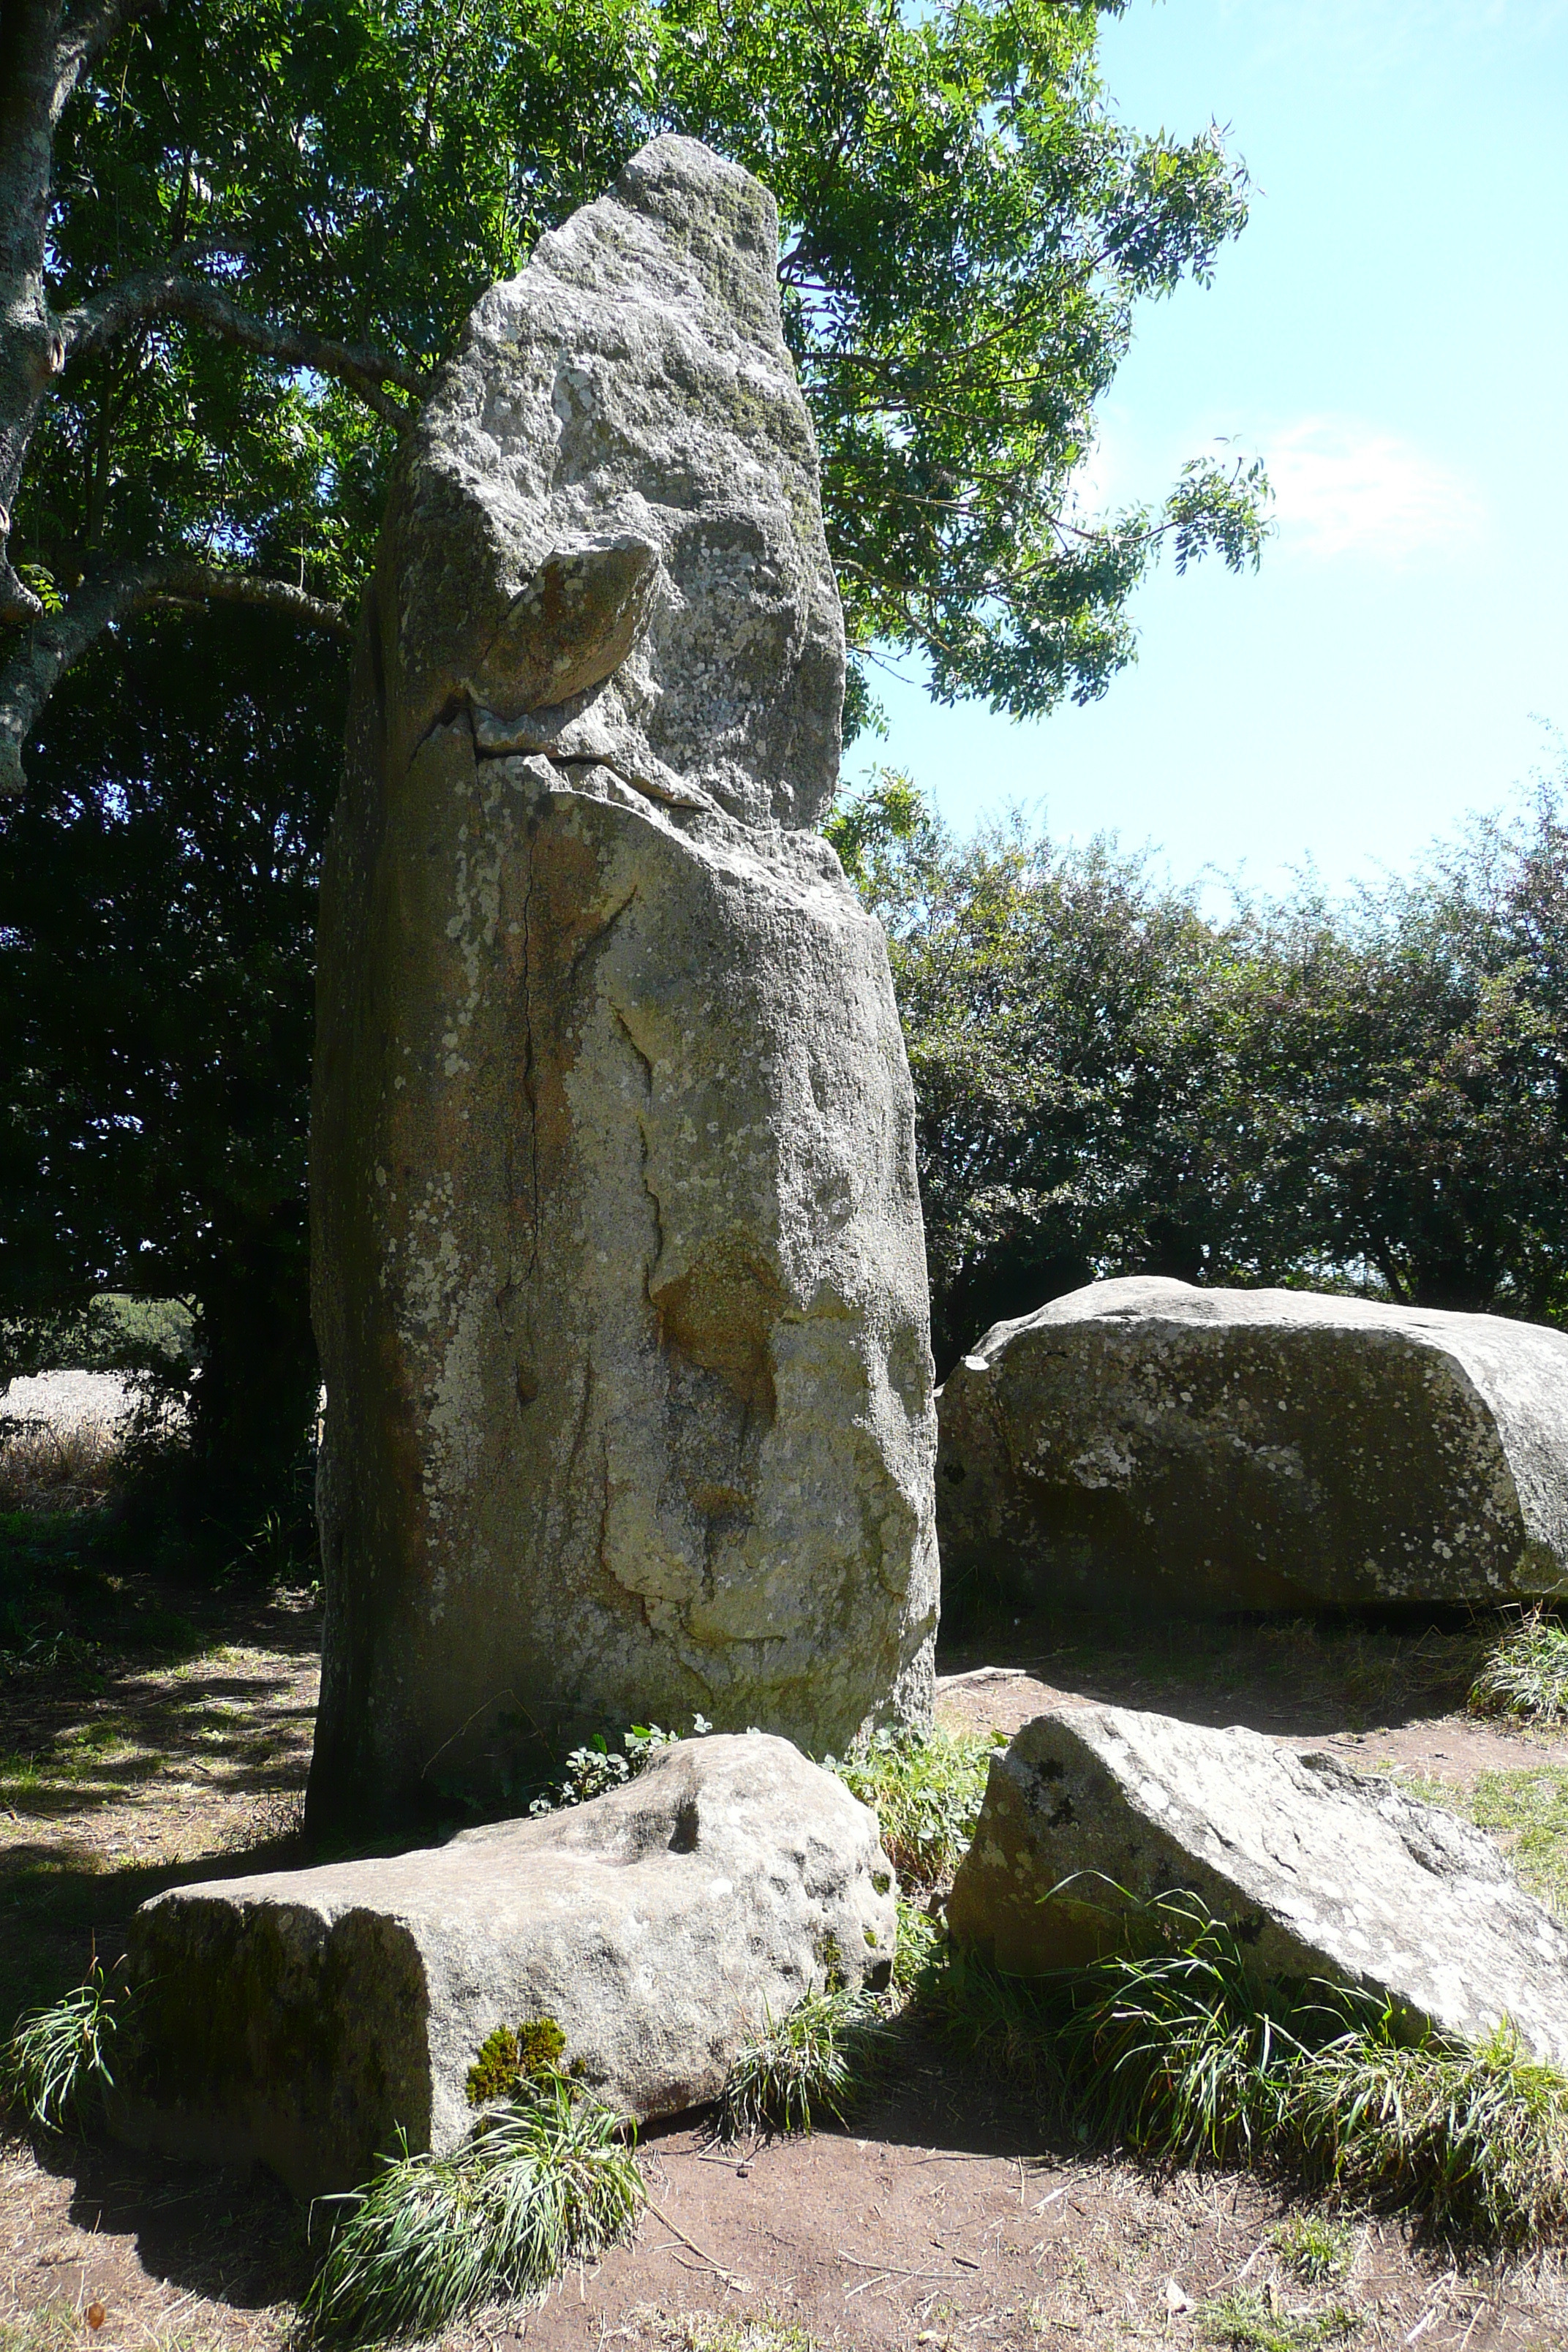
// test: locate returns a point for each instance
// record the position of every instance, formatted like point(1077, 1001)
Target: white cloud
point(1343, 488)
point(1385, 38)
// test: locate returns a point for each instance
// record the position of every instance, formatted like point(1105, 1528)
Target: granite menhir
point(618, 1273)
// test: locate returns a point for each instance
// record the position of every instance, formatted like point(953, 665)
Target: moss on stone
point(507, 2060)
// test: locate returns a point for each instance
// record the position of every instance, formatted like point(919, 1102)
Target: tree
point(1416, 1048)
point(159, 879)
point(1369, 1095)
point(236, 235)
point(1073, 1035)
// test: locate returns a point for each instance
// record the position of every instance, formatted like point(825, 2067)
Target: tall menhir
point(618, 1273)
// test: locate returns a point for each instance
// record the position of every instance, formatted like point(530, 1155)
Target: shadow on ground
point(1307, 1678)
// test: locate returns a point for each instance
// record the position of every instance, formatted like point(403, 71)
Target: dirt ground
point(942, 2218)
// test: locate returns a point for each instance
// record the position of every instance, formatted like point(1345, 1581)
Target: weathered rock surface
point(1145, 1443)
point(1323, 1870)
point(619, 1276)
point(297, 2019)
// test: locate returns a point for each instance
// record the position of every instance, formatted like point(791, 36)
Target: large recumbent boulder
point(618, 1271)
point(1146, 1444)
point(303, 2018)
point(1322, 1871)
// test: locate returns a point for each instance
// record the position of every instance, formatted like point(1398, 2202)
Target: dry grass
point(55, 1466)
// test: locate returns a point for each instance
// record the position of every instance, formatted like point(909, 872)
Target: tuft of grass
point(1526, 1675)
point(1477, 2138)
point(541, 2183)
point(1177, 2051)
point(826, 2052)
point(755, 2331)
point(49, 2327)
point(1251, 2319)
point(57, 2066)
point(1316, 2248)
point(925, 1789)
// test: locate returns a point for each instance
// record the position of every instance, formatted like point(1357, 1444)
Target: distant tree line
point(1368, 1093)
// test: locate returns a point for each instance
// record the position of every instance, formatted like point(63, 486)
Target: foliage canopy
point(268, 219)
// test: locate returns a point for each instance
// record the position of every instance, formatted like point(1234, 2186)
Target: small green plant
point(915, 1955)
point(813, 2062)
point(57, 2066)
point(591, 1771)
point(1314, 2247)
point(1252, 2319)
point(541, 2183)
point(925, 1789)
point(507, 2060)
point(1526, 1675)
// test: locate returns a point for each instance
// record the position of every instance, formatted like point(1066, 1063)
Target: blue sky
point(1391, 334)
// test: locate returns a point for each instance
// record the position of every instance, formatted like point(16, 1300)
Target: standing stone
point(1144, 1444)
point(619, 1281)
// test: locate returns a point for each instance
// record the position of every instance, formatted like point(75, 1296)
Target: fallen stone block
point(1322, 1871)
point(1144, 1444)
point(303, 2018)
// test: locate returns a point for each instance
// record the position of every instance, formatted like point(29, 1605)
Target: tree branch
point(167, 292)
point(52, 645)
point(87, 35)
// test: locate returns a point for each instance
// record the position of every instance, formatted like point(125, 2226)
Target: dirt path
point(941, 2218)
point(1454, 1747)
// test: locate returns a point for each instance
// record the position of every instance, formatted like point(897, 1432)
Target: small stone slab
point(303, 2018)
point(1322, 1871)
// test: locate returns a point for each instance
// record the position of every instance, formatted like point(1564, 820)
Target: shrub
point(593, 1770)
point(541, 2183)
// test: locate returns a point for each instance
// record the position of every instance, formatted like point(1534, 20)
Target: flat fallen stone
point(1145, 1443)
point(1322, 1871)
point(301, 2018)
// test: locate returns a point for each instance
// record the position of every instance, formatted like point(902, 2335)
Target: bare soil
point(943, 2218)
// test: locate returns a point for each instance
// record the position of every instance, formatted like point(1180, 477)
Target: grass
point(1252, 2320)
point(1176, 2052)
point(543, 2183)
point(58, 2063)
point(925, 1789)
point(1526, 1811)
point(1316, 2248)
point(50, 2328)
point(1526, 1675)
point(813, 2062)
point(757, 2331)
point(48, 1466)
